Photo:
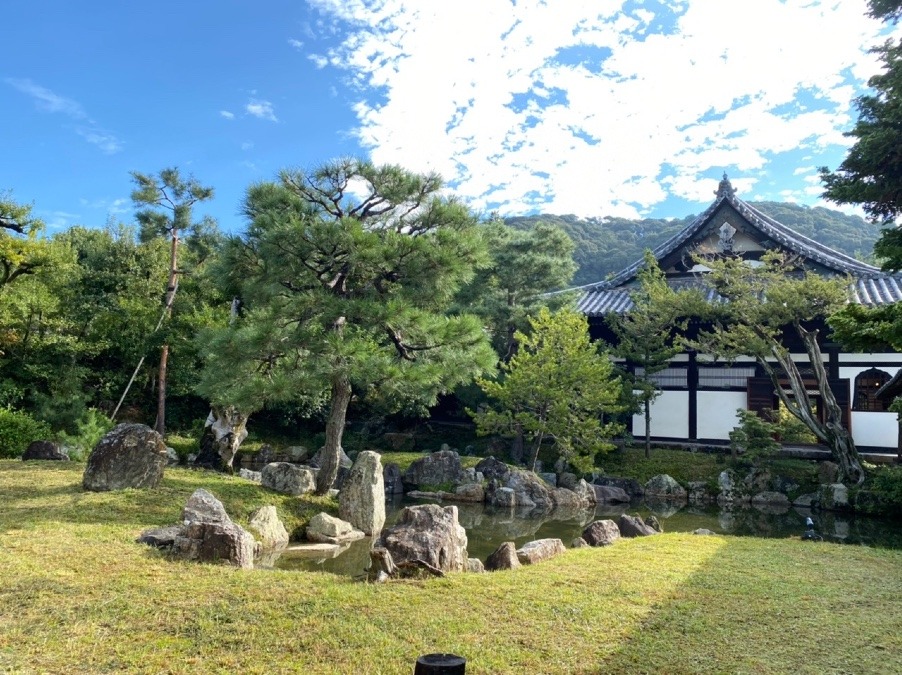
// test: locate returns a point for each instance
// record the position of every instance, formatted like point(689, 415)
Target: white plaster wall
point(867, 359)
point(878, 429)
point(669, 416)
point(717, 413)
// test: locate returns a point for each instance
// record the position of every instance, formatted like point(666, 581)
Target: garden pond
point(487, 527)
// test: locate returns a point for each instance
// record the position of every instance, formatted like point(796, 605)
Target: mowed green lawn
point(78, 595)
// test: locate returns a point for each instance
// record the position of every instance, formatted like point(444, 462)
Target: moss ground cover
point(77, 595)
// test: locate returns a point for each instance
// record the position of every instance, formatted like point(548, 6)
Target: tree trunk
point(335, 426)
point(841, 443)
point(535, 452)
point(647, 429)
point(517, 446)
point(160, 424)
point(831, 433)
point(171, 288)
point(224, 432)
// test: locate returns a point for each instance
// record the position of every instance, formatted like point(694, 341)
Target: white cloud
point(247, 145)
point(48, 101)
point(228, 115)
point(297, 44)
point(599, 107)
point(261, 109)
point(107, 142)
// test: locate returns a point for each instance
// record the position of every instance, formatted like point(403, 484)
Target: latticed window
point(669, 377)
point(724, 378)
point(866, 386)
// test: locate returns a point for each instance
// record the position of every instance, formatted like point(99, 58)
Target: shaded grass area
point(78, 595)
point(698, 466)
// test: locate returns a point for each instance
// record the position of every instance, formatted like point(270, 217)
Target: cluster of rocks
point(207, 533)
point(441, 476)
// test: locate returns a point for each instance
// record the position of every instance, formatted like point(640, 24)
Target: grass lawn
point(78, 595)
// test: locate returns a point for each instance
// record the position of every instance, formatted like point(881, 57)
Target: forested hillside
point(607, 245)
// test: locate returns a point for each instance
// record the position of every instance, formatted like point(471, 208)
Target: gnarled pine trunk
point(335, 426)
point(224, 432)
point(832, 432)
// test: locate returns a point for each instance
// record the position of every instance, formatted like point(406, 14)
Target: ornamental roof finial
point(725, 188)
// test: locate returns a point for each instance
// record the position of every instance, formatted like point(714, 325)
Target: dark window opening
point(866, 386)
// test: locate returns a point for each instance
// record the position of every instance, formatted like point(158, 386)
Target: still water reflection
point(488, 527)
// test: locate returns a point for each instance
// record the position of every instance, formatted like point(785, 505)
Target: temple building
point(700, 396)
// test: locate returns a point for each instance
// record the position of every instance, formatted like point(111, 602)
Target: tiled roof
point(871, 286)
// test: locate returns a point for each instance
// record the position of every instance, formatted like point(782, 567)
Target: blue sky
point(595, 107)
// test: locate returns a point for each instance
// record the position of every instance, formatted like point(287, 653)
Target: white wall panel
point(717, 413)
point(669, 416)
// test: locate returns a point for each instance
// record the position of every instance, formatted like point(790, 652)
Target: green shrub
point(886, 486)
point(754, 436)
point(90, 428)
point(17, 430)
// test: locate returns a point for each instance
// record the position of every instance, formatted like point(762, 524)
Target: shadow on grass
point(38, 492)
point(774, 606)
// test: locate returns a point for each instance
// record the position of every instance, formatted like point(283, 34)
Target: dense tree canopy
point(346, 273)
point(524, 266)
point(558, 387)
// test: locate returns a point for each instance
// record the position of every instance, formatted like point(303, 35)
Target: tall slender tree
point(648, 335)
point(165, 203)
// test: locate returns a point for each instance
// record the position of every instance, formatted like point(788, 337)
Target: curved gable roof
point(871, 286)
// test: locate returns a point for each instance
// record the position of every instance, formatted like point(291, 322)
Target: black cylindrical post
point(440, 664)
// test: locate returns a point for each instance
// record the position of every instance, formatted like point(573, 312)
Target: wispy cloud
point(228, 115)
point(247, 145)
point(49, 101)
point(261, 109)
point(548, 106)
point(297, 44)
point(104, 140)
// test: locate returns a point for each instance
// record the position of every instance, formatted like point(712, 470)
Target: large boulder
point(361, 501)
point(268, 528)
point(439, 468)
point(610, 494)
point(287, 478)
point(628, 485)
point(567, 499)
point(634, 526)
point(216, 542)
point(601, 533)
point(391, 476)
point(530, 490)
point(206, 534)
point(328, 529)
point(203, 507)
point(585, 492)
point(427, 534)
point(539, 550)
point(503, 558)
point(663, 486)
point(129, 456)
point(833, 497)
point(493, 468)
point(472, 493)
point(46, 450)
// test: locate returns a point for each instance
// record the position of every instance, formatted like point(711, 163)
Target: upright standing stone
point(361, 501)
point(129, 456)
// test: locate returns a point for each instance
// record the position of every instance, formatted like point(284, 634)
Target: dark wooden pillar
point(692, 389)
